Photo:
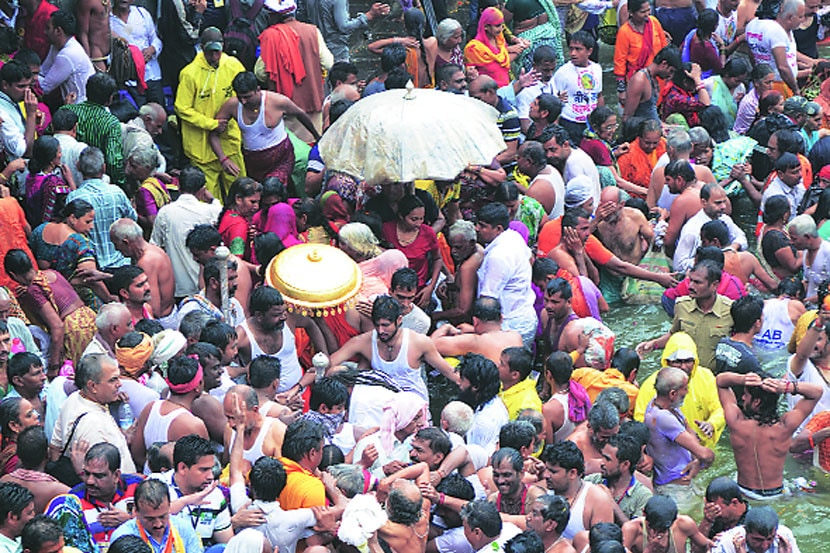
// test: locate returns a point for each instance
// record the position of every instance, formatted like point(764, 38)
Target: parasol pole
point(222, 254)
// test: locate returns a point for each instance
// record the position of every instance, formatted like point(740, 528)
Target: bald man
point(128, 238)
point(262, 436)
point(623, 230)
point(484, 336)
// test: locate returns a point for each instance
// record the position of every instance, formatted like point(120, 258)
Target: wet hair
point(218, 333)
point(129, 544)
point(716, 229)
point(669, 54)
point(328, 392)
point(761, 520)
point(602, 532)
point(337, 109)
point(398, 78)
point(791, 286)
point(542, 267)
point(264, 298)
point(767, 413)
point(482, 374)
point(745, 312)
point(436, 440)
point(526, 542)
point(266, 247)
point(150, 327)
point(202, 238)
point(386, 308)
point(609, 547)
point(559, 366)
point(122, 278)
point(555, 508)
point(551, 104)
point(516, 435)
point(680, 168)
point(710, 253)
point(191, 448)
point(660, 512)
point(331, 455)
point(507, 454)
point(495, 215)
point(775, 208)
point(455, 485)
point(301, 437)
point(212, 270)
point(13, 499)
point(107, 452)
point(39, 531)
point(789, 141)
point(626, 361)
point(244, 82)
point(152, 492)
point(264, 370)
point(572, 216)
point(564, 454)
point(637, 430)
point(340, 71)
point(560, 286)
point(616, 397)
point(724, 488)
point(603, 416)
point(519, 359)
point(713, 120)
point(181, 370)
point(628, 449)
point(267, 478)
point(712, 270)
point(203, 350)
point(483, 515)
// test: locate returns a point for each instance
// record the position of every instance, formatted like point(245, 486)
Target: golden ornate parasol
point(315, 279)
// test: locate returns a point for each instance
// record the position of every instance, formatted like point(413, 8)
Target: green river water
point(807, 514)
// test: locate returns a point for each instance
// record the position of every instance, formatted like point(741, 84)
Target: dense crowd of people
point(160, 395)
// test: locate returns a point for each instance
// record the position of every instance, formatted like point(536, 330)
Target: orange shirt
point(636, 165)
point(302, 488)
point(551, 234)
point(628, 46)
point(595, 381)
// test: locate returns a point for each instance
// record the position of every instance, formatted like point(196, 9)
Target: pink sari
point(283, 222)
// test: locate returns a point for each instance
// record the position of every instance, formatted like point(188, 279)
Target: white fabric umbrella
point(403, 135)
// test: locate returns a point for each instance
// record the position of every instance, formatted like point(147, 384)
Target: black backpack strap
point(72, 432)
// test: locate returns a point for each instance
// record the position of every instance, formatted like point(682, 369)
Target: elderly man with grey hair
point(139, 133)
point(458, 295)
point(85, 413)
point(816, 261)
point(127, 237)
point(678, 455)
point(110, 204)
point(771, 41)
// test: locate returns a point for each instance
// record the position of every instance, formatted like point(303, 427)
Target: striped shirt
point(110, 204)
point(98, 127)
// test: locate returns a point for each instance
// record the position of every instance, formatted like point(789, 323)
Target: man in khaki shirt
point(703, 314)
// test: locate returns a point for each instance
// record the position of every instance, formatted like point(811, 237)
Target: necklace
point(551, 546)
point(576, 495)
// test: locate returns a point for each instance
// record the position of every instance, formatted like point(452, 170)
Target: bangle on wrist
point(223, 160)
point(795, 387)
point(442, 497)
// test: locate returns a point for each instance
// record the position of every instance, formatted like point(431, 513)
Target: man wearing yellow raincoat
point(701, 407)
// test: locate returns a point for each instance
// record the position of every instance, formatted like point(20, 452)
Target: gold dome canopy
point(315, 279)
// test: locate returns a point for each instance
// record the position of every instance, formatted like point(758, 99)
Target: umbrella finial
point(410, 88)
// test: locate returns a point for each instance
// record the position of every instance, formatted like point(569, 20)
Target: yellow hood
point(678, 341)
